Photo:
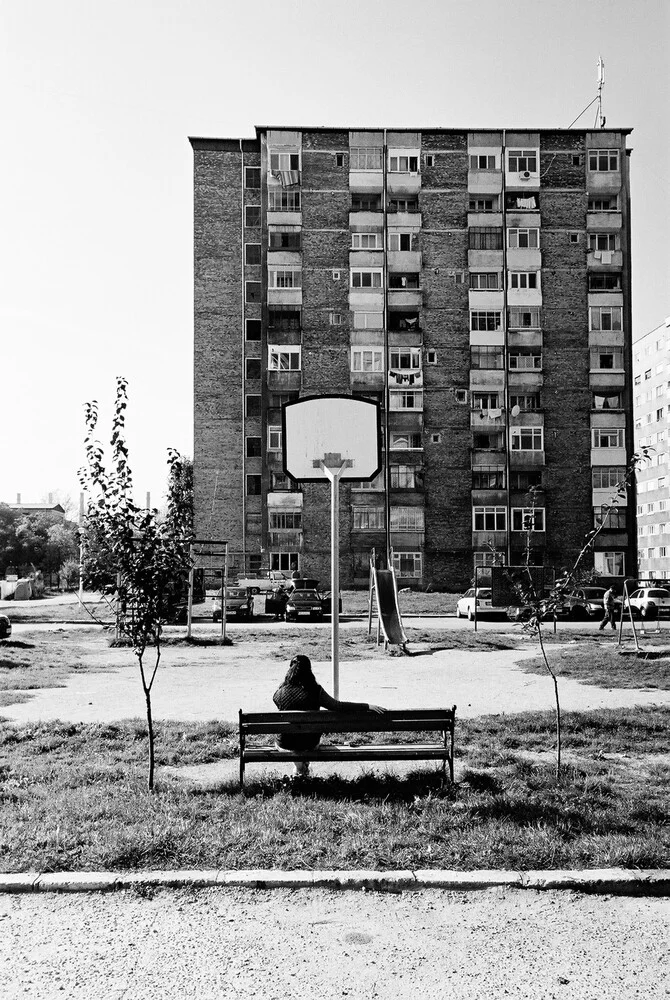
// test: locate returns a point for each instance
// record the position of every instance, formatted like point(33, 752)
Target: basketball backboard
point(335, 430)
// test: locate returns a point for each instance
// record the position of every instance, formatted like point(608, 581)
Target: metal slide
point(387, 607)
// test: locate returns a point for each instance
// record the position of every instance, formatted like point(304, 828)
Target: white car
point(642, 600)
point(465, 608)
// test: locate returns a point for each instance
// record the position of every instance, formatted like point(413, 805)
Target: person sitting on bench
point(301, 692)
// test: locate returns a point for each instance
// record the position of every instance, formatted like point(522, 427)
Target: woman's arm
point(333, 705)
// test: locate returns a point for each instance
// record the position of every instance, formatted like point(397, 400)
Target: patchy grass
point(608, 666)
point(74, 798)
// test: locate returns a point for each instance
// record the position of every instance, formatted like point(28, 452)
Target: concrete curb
point(621, 881)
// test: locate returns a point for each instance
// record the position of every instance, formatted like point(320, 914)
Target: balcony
point(364, 181)
point(404, 261)
point(403, 220)
point(403, 183)
point(410, 378)
point(284, 381)
point(367, 380)
point(486, 539)
point(366, 220)
point(400, 298)
point(483, 419)
point(597, 260)
point(526, 459)
point(285, 539)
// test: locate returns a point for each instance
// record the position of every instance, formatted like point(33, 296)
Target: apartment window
point(485, 238)
point(253, 368)
point(488, 478)
point(284, 277)
point(430, 160)
point(485, 320)
point(482, 161)
point(659, 390)
point(366, 202)
point(602, 281)
point(335, 318)
point(274, 439)
point(404, 205)
point(404, 281)
point(285, 562)
point(402, 399)
point(647, 374)
point(604, 203)
point(659, 413)
point(281, 483)
point(490, 204)
point(252, 253)
point(407, 519)
point(485, 401)
point(254, 486)
point(406, 477)
point(525, 359)
point(607, 437)
point(289, 521)
point(523, 238)
point(523, 279)
point(603, 159)
point(252, 216)
point(431, 357)
point(367, 359)
point(283, 200)
point(339, 159)
point(609, 563)
point(525, 401)
point(403, 321)
point(526, 202)
point(525, 480)
point(607, 401)
point(284, 239)
point(368, 320)
point(605, 317)
point(401, 241)
point(408, 565)
point(253, 447)
point(278, 399)
point(605, 477)
point(404, 164)
point(607, 357)
point(527, 518)
point(614, 518)
point(484, 281)
point(284, 318)
point(371, 278)
point(252, 177)
point(489, 519)
point(486, 357)
point(603, 242)
point(520, 318)
point(527, 439)
point(519, 160)
point(283, 358)
point(366, 241)
point(405, 442)
point(252, 291)
point(253, 407)
point(366, 158)
point(404, 359)
point(368, 518)
point(488, 440)
point(253, 329)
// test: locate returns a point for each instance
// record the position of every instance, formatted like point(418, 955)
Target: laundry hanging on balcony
point(405, 378)
point(287, 178)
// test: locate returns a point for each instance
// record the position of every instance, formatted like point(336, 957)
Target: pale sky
point(96, 171)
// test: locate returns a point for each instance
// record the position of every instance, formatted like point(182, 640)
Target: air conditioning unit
point(525, 175)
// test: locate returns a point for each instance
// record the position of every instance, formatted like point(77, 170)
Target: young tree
point(148, 555)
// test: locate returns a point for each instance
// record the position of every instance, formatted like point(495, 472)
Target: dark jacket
point(296, 698)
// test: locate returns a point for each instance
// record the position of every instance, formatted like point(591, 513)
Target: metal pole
point(334, 476)
point(190, 595)
point(224, 602)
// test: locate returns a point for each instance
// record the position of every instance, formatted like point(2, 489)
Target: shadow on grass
point(16, 644)
point(366, 788)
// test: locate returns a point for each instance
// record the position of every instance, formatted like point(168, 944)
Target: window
point(485, 238)
point(404, 205)
point(525, 480)
point(407, 519)
point(488, 440)
point(573, 237)
point(485, 320)
point(367, 485)
point(285, 562)
point(519, 160)
point(371, 278)
point(519, 318)
point(431, 357)
point(405, 442)
point(289, 521)
point(607, 357)
point(367, 359)
point(484, 281)
point(274, 438)
point(368, 320)
point(404, 359)
point(335, 318)
point(526, 401)
point(605, 317)
point(283, 483)
point(252, 253)
point(609, 563)
point(366, 203)
point(527, 518)
point(402, 241)
point(408, 564)
point(430, 160)
point(252, 216)
point(601, 281)
point(284, 277)
point(482, 161)
point(603, 241)
point(284, 239)
point(489, 519)
point(521, 359)
point(253, 368)
point(252, 177)
point(659, 413)
point(283, 200)
point(523, 238)
point(406, 477)
point(339, 159)
point(527, 439)
point(401, 281)
point(401, 399)
point(607, 437)
point(404, 164)
point(488, 478)
point(611, 401)
point(277, 399)
point(523, 279)
point(252, 291)
point(488, 204)
point(366, 241)
point(283, 358)
point(253, 407)
point(603, 159)
point(604, 203)
point(485, 401)
point(253, 447)
point(253, 486)
point(284, 317)
point(253, 329)
point(486, 357)
point(368, 518)
point(403, 321)
point(366, 158)
point(615, 520)
point(647, 374)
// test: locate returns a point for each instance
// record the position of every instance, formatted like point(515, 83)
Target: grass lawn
point(608, 666)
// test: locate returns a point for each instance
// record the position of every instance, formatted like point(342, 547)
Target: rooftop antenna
point(600, 118)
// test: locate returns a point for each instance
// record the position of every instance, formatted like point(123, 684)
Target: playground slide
point(387, 607)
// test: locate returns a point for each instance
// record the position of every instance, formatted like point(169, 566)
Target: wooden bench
point(436, 720)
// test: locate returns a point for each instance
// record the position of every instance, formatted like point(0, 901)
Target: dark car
point(239, 602)
point(303, 602)
point(5, 627)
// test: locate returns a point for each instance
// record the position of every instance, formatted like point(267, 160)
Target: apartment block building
point(476, 284)
point(651, 399)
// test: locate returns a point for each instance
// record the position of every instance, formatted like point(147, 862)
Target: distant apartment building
point(651, 397)
point(476, 284)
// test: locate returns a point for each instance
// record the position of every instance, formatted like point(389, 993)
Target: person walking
point(608, 608)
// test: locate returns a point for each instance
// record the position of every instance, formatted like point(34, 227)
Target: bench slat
point(334, 752)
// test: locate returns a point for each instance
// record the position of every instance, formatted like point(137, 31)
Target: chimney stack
point(18, 498)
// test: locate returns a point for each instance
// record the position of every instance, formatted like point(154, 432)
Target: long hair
point(300, 672)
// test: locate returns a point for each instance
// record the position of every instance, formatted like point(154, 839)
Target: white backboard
point(335, 430)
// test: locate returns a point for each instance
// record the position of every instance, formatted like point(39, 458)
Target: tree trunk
point(558, 704)
point(150, 725)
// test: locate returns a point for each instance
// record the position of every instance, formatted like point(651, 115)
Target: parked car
point(585, 602)
point(465, 607)
point(239, 602)
point(5, 627)
point(303, 602)
point(522, 613)
point(649, 602)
